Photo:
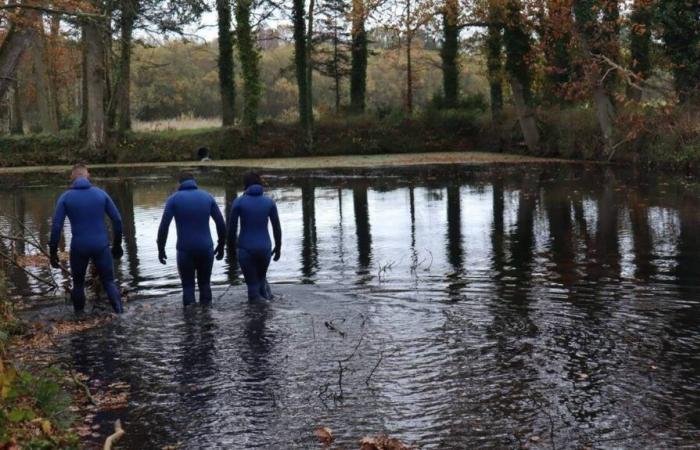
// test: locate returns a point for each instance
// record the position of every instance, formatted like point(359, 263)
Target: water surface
point(552, 306)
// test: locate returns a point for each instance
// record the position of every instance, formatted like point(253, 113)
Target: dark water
point(549, 307)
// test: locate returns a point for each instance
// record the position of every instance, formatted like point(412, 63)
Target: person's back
point(254, 246)
point(86, 206)
point(255, 210)
point(192, 208)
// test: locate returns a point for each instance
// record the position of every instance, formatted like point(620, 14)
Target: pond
point(549, 306)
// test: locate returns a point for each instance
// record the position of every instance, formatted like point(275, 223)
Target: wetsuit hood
point(187, 185)
point(254, 189)
point(81, 183)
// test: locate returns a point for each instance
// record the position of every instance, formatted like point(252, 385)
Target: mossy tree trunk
point(93, 40)
point(119, 113)
point(249, 57)
point(359, 54)
point(640, 43)
point(301, 62)
point(225, 62)
point(449, 53)
point(17, 40)
point(518, 48)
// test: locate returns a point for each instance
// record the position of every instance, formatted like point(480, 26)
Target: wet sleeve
point(116, 219)
point(59, 217)
point(276, 227)
point(165, 224)
point(233, 224)
point(219, 221)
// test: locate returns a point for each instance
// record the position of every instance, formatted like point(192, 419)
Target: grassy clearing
point(322, 162)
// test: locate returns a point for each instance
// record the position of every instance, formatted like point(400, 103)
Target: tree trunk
point(249, 57)
point(95, 77)
point(640, 44)
point(40, 72)
point(83, 87)
point(120, 107)
point(300, 61)
point(17, 40)
point(409, 74)
point(494, 63)
point(526, 117)
point(449, 53)
point(309, 79)
point(336, 70)
point(16, 123)
point(358, 75)
point(226, 80)
point(53, 70)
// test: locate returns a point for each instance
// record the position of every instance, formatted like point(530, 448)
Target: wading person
point(192, 207)
point(86, 206)
point(254, 247)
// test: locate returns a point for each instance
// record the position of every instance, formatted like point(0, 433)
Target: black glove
point(276, 253)
point(161, 255)
point(53, 258)
point(117, 251)
point(220, 251)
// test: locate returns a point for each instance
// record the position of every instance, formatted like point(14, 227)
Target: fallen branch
point(118, 433)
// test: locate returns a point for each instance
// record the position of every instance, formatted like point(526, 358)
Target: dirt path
point(325, 162)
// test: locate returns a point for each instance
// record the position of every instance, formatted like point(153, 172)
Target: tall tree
point(119, 113)
point(332, 50)
point(680, 30)
point(518, 47)
point(16, 123)
point(494, 57)
point(248, 54)
point(40, 72)
point(555, 26)
point(226, 81)
point(18, 39)
point(301, 62)
point(449, 53)
point(309, 77)
point(594, 37)
point(640, 42)
point(93, 41)
point(358, 75)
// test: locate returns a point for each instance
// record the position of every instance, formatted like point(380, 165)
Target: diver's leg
point(78, 267)
point(247, 263)
point(263, 262)
point(105, 268)
point(185, 266)
point(205, 262)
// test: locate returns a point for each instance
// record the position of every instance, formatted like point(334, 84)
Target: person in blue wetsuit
point(254, 247)
point(86, 206)
point(192, 207)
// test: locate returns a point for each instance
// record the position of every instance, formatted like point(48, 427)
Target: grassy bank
point(35, 403)
point(645, 135)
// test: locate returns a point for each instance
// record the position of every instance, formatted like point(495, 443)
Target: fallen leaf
point(324, 435)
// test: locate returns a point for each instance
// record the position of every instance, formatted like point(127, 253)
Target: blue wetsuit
point(254, 247)
point(192, 208)
point(86, 206)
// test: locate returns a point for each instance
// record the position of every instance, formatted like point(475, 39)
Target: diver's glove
point(277, 252)
point(53, 258)
point(220, 250)
point(117, 250)
point(161, 255)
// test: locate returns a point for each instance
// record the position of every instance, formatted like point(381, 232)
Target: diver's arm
point(116, 218)
point(233, 224)
point(163, 230)
point(59, 218)
point(276, 230)
point(220, 228)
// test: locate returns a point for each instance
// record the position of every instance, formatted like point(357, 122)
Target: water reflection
point(558, 302)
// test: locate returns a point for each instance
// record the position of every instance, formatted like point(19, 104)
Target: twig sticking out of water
point(383, 269)
point(118, 433)
point(381, 358)
point(331, 326)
